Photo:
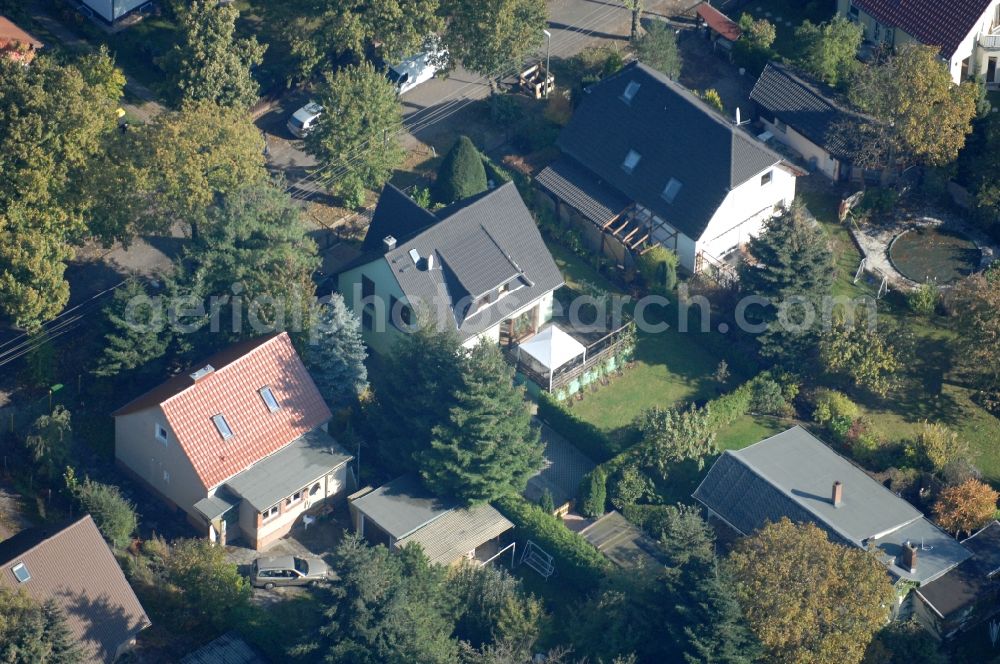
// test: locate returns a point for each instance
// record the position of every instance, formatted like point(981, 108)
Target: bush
point(866, 444)
point(113, 514)
point(631, 486)
point(936, 446)
point(835, 411)
point(461, 174)
point(593, 493)
point(728, 408)
point(880, 200)
point(658, 267)
point(586, 437)
point(576, 560)
point(712, 98)
point(924, 299)
point(767, 397)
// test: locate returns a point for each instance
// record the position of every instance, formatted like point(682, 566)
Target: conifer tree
point(137, 333)
point(461, 174)
point(790, 265)
point(33, 633)
point(487, 447)
point(715, 629)
point(336, 353)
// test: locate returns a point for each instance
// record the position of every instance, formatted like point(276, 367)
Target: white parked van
point(416, 69)
point(303, 119)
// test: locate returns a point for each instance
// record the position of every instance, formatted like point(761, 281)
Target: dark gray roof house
point(403, 511)
point(638, 138)
point(471, 265)
point(795, 475)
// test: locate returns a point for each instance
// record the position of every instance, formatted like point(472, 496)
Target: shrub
point(924, 299)
point(593, 493)
point(583, 435)
point(835, 411)
point(546, 502)
point(936, 446)
point(730, 407)
point(880, 200)
point(712, 98)
point(865, 443)
point(767, 397)
point(658, 267)
point(461, 174)
point(113, 514)
point(577, 561)
point(631, 486)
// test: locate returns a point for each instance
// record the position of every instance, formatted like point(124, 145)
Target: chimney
point(389, 242)
point(201, 373)
point(909, 557)
point(838, 494)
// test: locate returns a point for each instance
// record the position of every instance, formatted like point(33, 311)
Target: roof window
point(21, 573)
point(671, 190)
point(631, 161)
point(268, 396)
point(222, 426)
point(630, 91)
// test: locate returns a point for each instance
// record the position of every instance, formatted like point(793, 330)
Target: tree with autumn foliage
point(806, 598)
point(976, 301)
point(906, 95)
point(967, 507)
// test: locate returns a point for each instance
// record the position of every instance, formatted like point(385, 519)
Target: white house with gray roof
point(796, 476)
point(479, 267)
point(646, 162)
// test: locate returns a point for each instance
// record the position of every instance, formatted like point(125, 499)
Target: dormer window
point(766, 178)
point(631, 161)
point(222, 426)
point(269, 399)
point(21, 573)
point(630, 91)
point(671, 190)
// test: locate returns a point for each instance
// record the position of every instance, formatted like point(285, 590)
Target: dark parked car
point(287, 571)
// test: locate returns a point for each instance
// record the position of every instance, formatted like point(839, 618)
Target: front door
point(991, 70)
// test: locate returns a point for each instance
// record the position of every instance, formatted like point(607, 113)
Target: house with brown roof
point(74, 567)
point(15, 43)
point(967, 31)
point(239, 443)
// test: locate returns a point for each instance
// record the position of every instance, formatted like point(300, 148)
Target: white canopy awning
point(552, 347)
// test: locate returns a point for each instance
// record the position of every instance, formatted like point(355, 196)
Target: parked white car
point(417, 69)
point(304, 119)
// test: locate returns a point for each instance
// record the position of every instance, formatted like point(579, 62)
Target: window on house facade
point(21, 573)
point(267, 394)
point(269, 513)
point(631, 161)
point(166, 477)
point(367, 287)
point(294, 498)
point(852, 13)
point(368, 318)
point(766, 178)
point(222, 426)
point(877, 31)
point(315, 489)
point(161, 433)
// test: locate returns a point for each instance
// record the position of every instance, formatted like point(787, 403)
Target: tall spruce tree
point(137, 333)
point(335, 352)
point(487, 447)
point(413, 394)
point(715, 631)
point(461, 174)
point(34, 633)
point(790, 265)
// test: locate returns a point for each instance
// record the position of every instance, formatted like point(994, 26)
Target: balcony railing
point(990, 41)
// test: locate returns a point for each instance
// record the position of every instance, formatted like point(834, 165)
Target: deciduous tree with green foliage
point(492, 37)
point(34, 633)
point(670, 436)
point(207, 593)
point(859, 350)
point(905, 643)
point(488, 446)
point(807, 598)
point(936, 446)
point(461, 174)
point(136, 334)
point(357, 137)
point(829, 50)
point(413, 394)
point(658, 49)
point(210, 63)
point(55, 116)
point(113, 514)
point(976, 301)
point(335, 353)
point(907, 93)
point(790, 265)
point(490, 605)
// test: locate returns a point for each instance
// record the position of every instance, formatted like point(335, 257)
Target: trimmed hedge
point(728, 408)
point(577, 561)
point(583, 435)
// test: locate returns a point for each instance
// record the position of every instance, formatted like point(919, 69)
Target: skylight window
point(21, 573)
point(222, 426)
point(631, 161)
point(630, 91)
point(671, 190)
point(268, 396)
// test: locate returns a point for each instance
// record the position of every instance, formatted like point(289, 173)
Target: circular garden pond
point(934, 254)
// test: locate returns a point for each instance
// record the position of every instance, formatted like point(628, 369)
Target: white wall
point(112, 10)
point(382, 338)
point(545, 303)
point(810, 152)
point(742, 213)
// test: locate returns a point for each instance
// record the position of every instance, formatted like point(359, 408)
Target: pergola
point(552, 348)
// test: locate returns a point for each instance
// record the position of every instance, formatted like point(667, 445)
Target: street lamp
point(548, 45)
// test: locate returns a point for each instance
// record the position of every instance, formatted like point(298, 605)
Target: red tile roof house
point(15, 43)
point(967, 31)
point(75, 568)
point(239, 443)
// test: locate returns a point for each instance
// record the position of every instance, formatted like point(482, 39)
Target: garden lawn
point(930, 389)
point(791, 13)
